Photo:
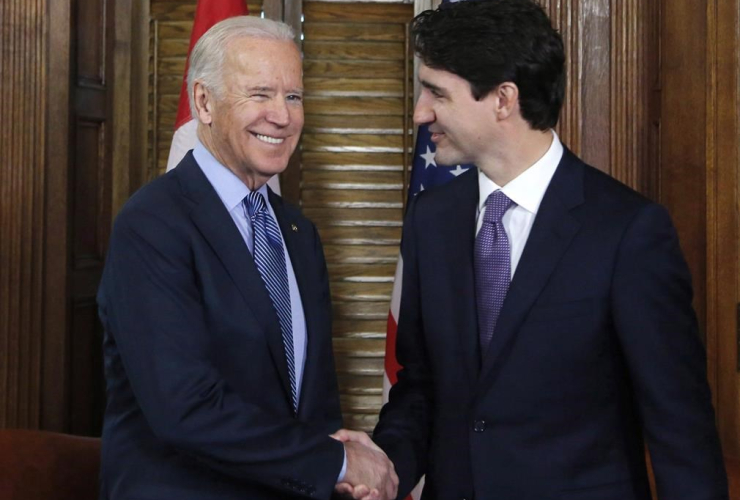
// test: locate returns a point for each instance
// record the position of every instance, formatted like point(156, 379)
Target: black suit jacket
point(596, 348)
point(198, 392)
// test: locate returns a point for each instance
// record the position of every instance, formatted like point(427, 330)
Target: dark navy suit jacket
point(596, 351)
point(197, 381)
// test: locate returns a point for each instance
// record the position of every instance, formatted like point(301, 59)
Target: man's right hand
point(370, 473)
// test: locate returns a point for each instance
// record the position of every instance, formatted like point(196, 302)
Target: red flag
point(207, 13)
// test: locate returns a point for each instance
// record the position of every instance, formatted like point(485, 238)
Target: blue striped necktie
point(269, 257)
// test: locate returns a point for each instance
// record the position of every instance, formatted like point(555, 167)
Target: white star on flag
point(429, 158)
point(458, 170)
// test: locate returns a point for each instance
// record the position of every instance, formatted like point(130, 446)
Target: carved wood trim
point(723, 164)
point(55, 388)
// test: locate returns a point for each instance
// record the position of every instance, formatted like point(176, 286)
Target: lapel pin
point(294, 228)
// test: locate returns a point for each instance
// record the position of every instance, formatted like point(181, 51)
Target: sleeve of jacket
point(405, 421)
point(154, 310)
point(658, 332)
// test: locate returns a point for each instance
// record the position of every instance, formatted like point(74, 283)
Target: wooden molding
point(722, 167)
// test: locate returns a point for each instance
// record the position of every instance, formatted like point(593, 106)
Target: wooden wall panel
point(56, 198)
point(698, 179)
point(722, 221)
point(683, 182)
point(699, 175)
point(608, 118)
point(171, 22)
point(23, 58)
point(355, 69)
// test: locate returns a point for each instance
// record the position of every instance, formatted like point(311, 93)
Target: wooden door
point(89, 202)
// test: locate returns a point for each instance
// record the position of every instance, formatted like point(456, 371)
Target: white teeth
point(268, 139)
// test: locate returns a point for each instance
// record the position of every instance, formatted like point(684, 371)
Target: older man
point(216, 307)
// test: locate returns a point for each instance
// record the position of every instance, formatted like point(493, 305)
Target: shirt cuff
point(344, 467)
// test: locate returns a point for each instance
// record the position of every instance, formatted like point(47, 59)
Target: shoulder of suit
point(460, 185)
point(603, 189)
point(161, 197)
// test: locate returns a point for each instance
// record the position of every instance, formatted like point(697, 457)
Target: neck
point(252, 180)
point(519, 152)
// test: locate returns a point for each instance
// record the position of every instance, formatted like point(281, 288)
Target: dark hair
point(489, 42)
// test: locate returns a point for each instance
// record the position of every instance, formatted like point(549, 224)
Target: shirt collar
point(528, 188)
point(228, 186)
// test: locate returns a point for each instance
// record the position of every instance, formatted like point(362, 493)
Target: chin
point(270, 170)
point(447, 161)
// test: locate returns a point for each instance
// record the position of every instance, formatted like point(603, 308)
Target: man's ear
point(203, 100)
point(506, 99)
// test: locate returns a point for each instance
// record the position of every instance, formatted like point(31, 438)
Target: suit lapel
point(215, 224)
point(296, 243)
point(552, 232)
point(456, 221)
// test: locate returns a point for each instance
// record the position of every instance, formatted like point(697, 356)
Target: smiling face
point(463, 129)
point(253, 126)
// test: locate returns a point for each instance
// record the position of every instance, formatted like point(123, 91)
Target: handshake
point(370, 475)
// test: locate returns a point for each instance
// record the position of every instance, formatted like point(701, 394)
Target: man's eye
point(295, 98)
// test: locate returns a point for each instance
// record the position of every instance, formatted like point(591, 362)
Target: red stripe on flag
point(207, 13)
point(391, 363)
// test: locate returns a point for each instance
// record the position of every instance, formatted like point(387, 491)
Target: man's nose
point(423, 113)
point(279, 114)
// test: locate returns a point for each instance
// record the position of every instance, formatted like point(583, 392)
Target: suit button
point(479, 425)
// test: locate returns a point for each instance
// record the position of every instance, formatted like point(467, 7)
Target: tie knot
point(255, 203)
point(497, 204)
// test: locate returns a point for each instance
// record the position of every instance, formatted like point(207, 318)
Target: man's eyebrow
point(259, 88)
point(432, 87)
point(262, 88)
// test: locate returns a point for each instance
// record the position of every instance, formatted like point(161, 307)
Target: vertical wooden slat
point(122, 131)
point(683, 183)
point(722, 221)
point(55, 136)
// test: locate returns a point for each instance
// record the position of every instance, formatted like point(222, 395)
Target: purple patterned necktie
point(492, 266)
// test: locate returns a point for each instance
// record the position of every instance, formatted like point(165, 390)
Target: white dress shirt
point(527, 191)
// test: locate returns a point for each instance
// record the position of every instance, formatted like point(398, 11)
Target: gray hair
point(207, 57)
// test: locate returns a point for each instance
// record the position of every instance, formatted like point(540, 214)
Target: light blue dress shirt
point(232, 192)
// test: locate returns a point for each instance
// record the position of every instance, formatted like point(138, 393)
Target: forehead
point(254, 58)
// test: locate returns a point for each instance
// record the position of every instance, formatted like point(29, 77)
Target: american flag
point(425, 172)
